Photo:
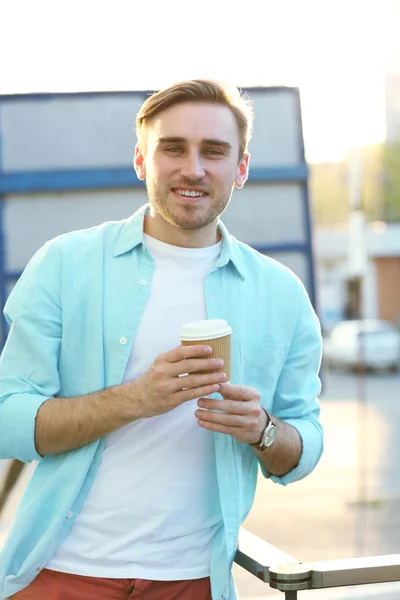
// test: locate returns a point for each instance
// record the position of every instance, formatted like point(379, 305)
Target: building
point(380, 289)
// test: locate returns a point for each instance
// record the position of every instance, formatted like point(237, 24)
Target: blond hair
point(198, 90)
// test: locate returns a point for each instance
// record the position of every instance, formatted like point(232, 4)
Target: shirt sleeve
point(296, 397)
point(29, 361)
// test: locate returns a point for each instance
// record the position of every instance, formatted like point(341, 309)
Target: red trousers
point(52, 585)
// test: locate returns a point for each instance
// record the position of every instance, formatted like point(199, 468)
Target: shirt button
point(70, 514)
point(227, 476)
point(123, 341)
point(143, 282)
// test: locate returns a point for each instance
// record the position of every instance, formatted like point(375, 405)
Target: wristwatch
point(267, 436)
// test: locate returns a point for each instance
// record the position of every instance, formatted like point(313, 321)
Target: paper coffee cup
point(210, 332)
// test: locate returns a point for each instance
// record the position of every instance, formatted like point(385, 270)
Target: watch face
point(269, 435)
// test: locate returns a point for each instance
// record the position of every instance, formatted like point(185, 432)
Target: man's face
point(191, 164)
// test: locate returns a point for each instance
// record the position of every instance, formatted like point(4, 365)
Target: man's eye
point(173, 149)
point(214, 151)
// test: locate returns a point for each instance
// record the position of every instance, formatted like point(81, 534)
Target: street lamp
point(357, 264)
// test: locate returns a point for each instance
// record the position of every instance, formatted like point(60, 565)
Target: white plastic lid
point(208, 329)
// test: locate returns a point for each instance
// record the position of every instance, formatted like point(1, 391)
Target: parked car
point(369, 343)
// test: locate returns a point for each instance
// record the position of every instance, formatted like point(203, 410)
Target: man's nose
point(193, 167)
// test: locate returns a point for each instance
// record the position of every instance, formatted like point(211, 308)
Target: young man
point(145, 474)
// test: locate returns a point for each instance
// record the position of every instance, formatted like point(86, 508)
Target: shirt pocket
point(261, 366)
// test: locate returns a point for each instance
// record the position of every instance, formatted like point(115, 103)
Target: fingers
point(184, 352)
point(227, 406)
point(226, 420)
point(192, 394)
point(187, 359)
point(165, 383)
point(179, 371)
point(193, 365)
point(240, 393)
point(231, 414)
point(197, 381)
point(235, 432)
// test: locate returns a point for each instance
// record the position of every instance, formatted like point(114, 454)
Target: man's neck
point(184, 238)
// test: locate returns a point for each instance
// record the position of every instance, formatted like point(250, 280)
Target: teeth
point(190, 194)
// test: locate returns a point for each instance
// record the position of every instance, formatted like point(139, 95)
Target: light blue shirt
point(78, 301)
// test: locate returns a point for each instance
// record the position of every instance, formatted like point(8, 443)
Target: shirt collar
point(230, 251)
point(131, 232)
point(131, 235)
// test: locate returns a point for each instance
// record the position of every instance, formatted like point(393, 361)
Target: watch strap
point(259, 444)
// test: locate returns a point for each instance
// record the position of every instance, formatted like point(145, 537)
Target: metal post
point(358, 269)
point(292, 595)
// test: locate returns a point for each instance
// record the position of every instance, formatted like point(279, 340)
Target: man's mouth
point(189, 193)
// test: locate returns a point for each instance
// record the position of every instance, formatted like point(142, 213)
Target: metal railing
point(287, 574)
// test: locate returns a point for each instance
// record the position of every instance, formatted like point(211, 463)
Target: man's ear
point(139, 163)
point(242, 171)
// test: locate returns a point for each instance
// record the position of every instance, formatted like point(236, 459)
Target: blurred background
point(323, 197)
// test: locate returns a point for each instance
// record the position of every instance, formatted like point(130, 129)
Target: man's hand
point(172, 380)
point(240, 414)
point(64, 424)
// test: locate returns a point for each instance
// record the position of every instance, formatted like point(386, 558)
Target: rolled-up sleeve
point(296, 398)
point(29, 360)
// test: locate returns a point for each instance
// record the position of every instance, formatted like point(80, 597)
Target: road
point(349, 506)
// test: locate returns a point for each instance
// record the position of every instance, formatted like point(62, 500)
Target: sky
point(337, 53)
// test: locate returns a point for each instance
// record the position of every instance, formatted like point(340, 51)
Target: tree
point(390, 178)
point(380, 187)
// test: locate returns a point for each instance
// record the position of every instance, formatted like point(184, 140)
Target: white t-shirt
point(153, 508)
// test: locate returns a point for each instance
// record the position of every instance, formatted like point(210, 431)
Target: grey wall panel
point(9, 287)
point(276, 139)
point(32, 220)
point(75, 132)
point(261, 214)
point(78, 132)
